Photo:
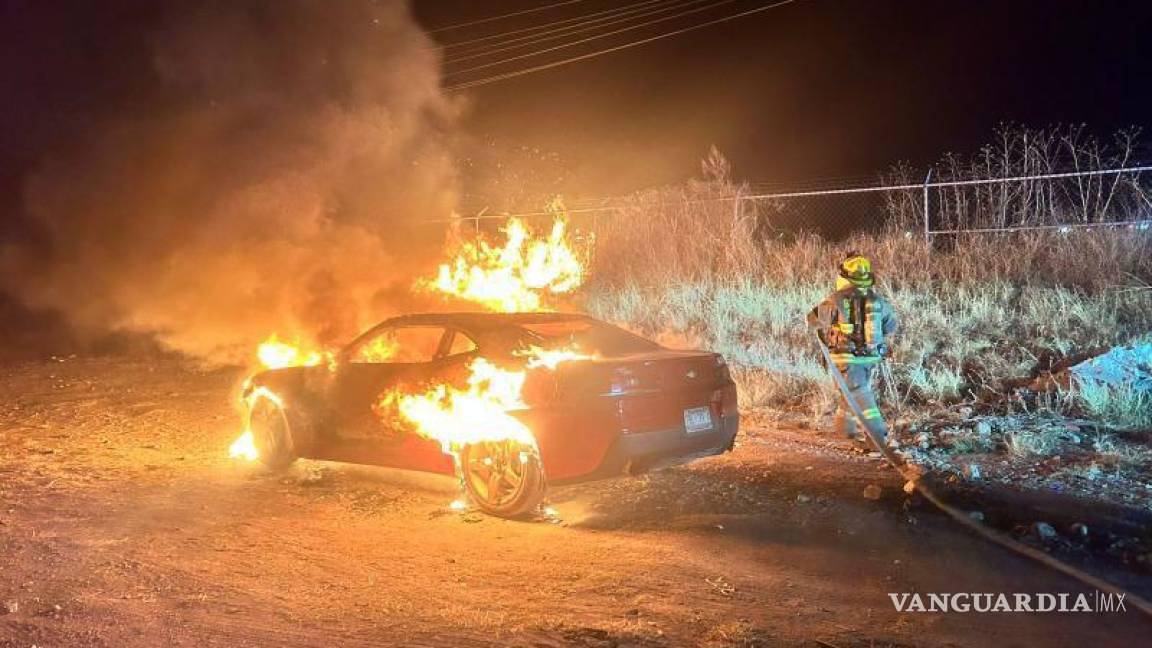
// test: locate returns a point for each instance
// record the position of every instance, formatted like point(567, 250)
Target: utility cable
point(565, 32)
point(502, 17)
point(551, 25)
point(583, 57)
point(588, 39)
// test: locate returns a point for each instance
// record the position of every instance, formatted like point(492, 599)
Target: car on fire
point(634, 406)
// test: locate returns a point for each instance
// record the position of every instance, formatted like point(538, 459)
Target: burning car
point(508, 402)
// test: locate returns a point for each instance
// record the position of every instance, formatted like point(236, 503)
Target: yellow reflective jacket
point(855, 324)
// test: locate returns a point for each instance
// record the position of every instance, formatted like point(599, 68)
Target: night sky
point(819, 89)
point(150, 147)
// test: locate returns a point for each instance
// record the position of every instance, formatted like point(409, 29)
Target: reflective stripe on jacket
point(837, 309)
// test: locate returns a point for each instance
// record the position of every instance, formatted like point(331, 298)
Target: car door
point(415, 451)
point(405, 357)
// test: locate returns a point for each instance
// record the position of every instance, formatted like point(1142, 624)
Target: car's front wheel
point(503, 478)
point(272, 434)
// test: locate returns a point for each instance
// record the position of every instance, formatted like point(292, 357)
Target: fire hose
point(914, 477)
point(891, 392)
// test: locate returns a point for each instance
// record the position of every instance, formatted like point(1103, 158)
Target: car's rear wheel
point(272, 434)
point(503, 478)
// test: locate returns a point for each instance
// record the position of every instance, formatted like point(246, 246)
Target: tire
point(503, 478)
point(272, 434)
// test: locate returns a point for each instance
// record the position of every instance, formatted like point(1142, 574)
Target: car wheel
point(503, 478)
point(272, 434)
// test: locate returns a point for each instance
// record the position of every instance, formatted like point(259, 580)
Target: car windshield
point(586, 335)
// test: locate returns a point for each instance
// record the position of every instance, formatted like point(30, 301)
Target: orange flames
point(275, 353)
point(380, 349)
point(457, 417)
point(523, 273)
point(480, 412)
point(550, 358)
point(519, 275)
point(244, 447)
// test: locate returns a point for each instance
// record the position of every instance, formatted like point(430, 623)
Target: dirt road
point(123, 524)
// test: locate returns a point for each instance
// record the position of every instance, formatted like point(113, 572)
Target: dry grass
point(738, 633)
point(974, 312)
point(1121, 405)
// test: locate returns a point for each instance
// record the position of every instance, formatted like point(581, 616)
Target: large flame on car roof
point(521, 274)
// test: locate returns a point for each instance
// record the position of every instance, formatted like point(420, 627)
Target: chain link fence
point(931, 209)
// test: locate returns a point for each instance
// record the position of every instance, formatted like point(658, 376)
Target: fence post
point(476, 222)
point(927, 226)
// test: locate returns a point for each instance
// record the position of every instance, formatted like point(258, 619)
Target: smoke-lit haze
point(257, 169)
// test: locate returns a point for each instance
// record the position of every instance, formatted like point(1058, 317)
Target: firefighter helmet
point(857, 269)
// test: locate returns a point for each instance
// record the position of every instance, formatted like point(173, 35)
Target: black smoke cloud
point(210, 172)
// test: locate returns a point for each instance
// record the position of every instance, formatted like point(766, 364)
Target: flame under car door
point(404, 358)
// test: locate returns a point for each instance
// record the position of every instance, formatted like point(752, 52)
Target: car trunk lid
point(653, 391)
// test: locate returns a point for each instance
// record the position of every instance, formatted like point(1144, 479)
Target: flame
point(551, 358)
point(516, 276)
point(244, 447)
point(458, 417)
point(380, 349)
point(519, 274)
point(479, 412)
point(275, 353)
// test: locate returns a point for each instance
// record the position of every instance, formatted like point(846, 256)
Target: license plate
point(697, 419)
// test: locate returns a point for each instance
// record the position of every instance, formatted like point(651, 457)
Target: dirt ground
point(122, 523)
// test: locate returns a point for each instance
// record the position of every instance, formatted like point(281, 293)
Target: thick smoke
point(261, 169)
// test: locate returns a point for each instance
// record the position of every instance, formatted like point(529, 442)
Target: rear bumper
point(640, 452)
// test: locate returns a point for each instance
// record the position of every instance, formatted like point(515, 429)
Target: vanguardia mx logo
point(981, 602)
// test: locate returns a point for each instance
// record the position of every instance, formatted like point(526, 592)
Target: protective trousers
point(858, 378)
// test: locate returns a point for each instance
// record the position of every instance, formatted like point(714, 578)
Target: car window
point(461, 344)
point(400, 344)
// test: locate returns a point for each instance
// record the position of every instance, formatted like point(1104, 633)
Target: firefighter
point(856, 324)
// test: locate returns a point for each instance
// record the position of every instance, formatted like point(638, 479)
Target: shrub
point(690, 262)
point(1123, 405)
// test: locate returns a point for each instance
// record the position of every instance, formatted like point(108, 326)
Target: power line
point(583, 57)
point(502, 17)
point(570, 30)
point(589, 38)
point(612, 203)
point(448, 46)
